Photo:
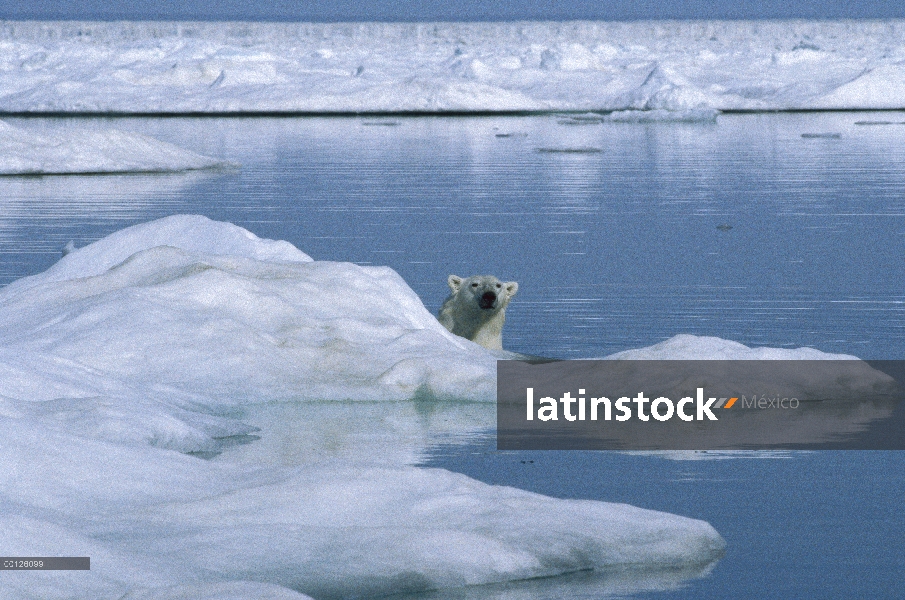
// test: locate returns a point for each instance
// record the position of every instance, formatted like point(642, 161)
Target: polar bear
point(476, 308)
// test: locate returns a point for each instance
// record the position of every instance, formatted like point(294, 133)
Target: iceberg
point(681, 66)
point(24, 152)
point(311, 388)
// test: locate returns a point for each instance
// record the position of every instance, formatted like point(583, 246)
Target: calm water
point(742, 229)
point(613, 249)
point(804, 525)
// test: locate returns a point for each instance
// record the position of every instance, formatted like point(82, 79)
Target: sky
point(445, 10)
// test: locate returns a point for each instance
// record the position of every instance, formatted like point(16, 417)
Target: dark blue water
point(741, 229)
point(614, 249)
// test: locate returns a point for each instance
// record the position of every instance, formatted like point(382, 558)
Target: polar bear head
point(476, 308)
point(484, 291)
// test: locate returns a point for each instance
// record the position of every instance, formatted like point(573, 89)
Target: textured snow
point(192, 233)
point(212, 309)
point(313, 387)
point(24, 152)
point(434, 67)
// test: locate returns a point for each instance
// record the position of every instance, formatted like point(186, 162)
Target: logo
point(661, 408)
point(700, 405)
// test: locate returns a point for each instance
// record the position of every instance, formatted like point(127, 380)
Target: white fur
point(463, 315)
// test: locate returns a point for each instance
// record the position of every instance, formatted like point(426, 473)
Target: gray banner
point(45, 563)
point(700, 405)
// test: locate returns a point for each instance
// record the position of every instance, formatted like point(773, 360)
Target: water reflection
point(39, 215)
point(613, 249)
point(360, 434)
point(358, 437)
point(585, 585)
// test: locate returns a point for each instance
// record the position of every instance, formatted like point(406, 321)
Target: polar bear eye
point(499, 285)
point(474, 285)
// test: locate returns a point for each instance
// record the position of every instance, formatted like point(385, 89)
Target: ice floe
point(26, 152)
point(205, 307)
point(694, 347)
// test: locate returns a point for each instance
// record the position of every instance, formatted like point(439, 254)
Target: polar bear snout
point(487, 301)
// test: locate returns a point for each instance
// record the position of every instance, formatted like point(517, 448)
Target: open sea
point(781, 230)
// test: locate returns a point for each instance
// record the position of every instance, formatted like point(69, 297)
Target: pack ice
point(676, 66)
point(314, 385)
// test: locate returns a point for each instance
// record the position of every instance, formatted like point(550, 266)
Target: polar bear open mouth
point(487, 301)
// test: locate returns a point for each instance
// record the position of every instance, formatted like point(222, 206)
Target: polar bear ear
point(455, 282)
point(511, 288)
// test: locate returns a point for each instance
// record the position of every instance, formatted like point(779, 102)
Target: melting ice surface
point(25, 152)
point(436, 67)
point(315, 386)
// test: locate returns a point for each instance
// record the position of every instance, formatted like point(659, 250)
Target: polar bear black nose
point(487, 300)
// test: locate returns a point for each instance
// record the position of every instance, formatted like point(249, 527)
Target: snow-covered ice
point(26, 152)
point(187, 336)
point(677, 66)
point(313, 387)
point(266, 321)
point(693, 347)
